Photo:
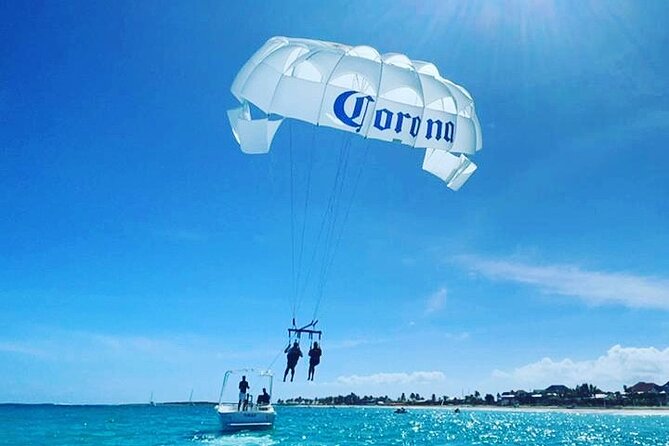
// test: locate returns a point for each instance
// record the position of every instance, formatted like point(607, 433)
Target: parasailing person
point(315, 353)
point(293, 354)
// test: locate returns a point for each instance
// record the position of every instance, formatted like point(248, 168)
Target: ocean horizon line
point(167, 403)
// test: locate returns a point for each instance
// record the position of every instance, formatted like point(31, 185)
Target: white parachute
point(386, 97)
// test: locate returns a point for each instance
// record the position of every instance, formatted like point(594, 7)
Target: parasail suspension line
point(339, 236)
point(292, 220)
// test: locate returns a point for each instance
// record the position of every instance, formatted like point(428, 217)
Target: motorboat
point(401, 410)
point(238, 415)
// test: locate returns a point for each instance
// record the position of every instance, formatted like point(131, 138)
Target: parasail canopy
point(387, 97)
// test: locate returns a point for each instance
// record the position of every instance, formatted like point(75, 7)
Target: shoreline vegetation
point(641, 395)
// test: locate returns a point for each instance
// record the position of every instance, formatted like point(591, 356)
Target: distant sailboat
point(190, 398)
point(151, 402)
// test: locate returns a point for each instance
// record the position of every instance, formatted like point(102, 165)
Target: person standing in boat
point(314, 359)
point(293, 355)
point(243, 387)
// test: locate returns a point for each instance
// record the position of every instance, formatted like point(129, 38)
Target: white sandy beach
point(637, 411)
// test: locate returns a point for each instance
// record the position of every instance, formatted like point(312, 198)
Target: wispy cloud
point(461, 336)
point(97, 345)
point(21, 348)
point(392, 378)
point(354, 343)
point(65, 345)
point(619, 366)
point(84, 346)
point(593, 287)
point(436, 301)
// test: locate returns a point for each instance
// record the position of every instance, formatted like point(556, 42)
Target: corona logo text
point(384, 119)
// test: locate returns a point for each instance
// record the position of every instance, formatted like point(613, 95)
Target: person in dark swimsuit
point(293, 355)
point(264, 398)
point(314, 359)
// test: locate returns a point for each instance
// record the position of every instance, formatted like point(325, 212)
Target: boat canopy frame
point(263, 373)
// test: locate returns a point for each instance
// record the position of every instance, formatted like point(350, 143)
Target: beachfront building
point(507, 399)
point(647, 394)
point(556, 390)
point(644, 388)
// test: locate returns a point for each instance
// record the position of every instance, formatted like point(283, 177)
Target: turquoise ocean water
point(195, 425)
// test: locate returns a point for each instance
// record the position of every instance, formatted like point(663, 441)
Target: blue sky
point(141, 251)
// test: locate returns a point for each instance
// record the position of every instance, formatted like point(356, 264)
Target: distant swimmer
point(243, 387)
point(314, 359)
point(264, 398)
point(293, 355)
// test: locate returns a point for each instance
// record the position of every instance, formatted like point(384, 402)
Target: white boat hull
point(258, 418)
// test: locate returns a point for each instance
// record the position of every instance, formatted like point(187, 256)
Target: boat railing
point(250, 407)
